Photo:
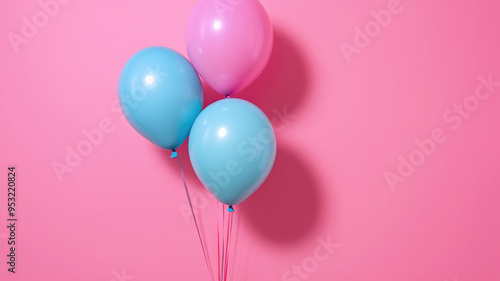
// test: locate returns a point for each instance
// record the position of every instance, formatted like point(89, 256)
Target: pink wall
point(119, 215)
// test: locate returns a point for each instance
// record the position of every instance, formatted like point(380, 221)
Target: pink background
point(120, 214)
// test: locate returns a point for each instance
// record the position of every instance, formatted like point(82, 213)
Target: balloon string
point(195, 221)
point(218, 244)
point(229, 233)
point(222, 263)
point(227, 241)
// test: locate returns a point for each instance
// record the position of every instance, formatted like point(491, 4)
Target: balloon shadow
point(286, 207)
point(283, 82)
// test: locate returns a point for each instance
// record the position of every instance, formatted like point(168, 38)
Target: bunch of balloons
point(232, 145)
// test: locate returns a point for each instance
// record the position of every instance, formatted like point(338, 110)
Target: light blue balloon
point(161, 95)
point(232, 147)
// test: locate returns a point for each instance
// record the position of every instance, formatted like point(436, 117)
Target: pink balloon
point(229, 42)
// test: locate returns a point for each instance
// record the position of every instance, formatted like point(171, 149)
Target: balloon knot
point(230, 209)
point(227, 96)
point(174, 154)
